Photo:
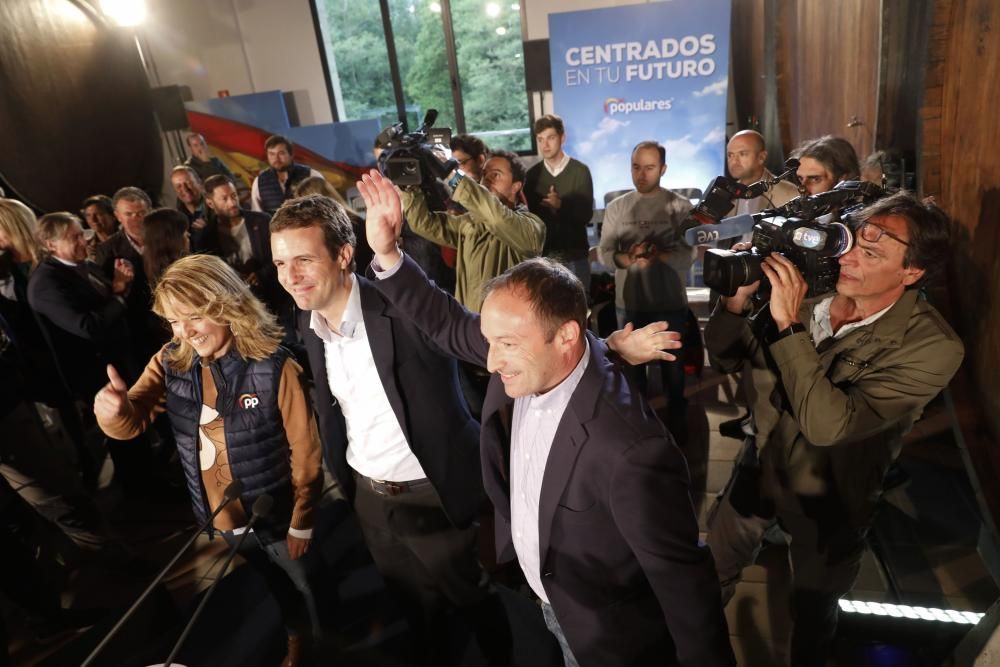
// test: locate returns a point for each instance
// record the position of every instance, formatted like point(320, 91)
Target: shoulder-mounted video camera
point(408, 159)
point(810, 231)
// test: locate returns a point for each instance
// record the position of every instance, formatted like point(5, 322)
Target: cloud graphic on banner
point(604, 129)
point(718, 88)
point(686, 148)
point(681, 149)
point(714, 135)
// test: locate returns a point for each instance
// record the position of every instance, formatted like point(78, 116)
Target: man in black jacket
point(395, 431)
point(591, 493)
point(132, 205)
point(242, 238)
point(84, 318)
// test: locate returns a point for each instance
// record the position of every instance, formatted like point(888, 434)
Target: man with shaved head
point(745, 157)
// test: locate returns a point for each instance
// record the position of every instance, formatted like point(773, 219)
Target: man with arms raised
point(590, 492)
point(395, 431)
point(495, 234)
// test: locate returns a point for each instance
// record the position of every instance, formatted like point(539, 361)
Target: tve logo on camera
point(617, 105)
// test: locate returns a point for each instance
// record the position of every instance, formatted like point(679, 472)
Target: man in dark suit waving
point(395, 431)
point(591, 494)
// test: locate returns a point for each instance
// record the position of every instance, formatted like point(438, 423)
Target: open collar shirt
point(376, 445)
point(536, 419)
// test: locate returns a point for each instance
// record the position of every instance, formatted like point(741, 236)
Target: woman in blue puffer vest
point(239, 411)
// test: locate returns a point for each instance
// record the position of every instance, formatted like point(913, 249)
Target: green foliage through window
point(489, 54)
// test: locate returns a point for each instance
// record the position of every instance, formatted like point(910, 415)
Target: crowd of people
point(435, 350)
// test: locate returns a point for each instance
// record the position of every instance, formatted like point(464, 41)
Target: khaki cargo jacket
point(829, 421)
point(490, 238)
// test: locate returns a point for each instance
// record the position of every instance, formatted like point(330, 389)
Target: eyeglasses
point(468, 159)
point(871, 232)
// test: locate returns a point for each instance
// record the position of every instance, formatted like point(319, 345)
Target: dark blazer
point(618, 537)
point(28, 371)
point(423, 390)
point(86, 328)
point(148, 331)
point(258, 229)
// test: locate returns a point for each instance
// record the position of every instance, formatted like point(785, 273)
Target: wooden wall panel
point(960, 167)
point(747, 61)
point(75, 113)
point(828, 62)
point(904, 49)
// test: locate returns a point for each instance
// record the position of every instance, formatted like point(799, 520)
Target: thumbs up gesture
point(110, 401)
point(552, 199)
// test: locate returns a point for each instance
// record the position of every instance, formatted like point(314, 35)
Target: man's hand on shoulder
point(639, 346)
point(384, 218)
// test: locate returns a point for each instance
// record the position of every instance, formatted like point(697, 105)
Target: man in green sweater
point(560, 192)
point(495, 234)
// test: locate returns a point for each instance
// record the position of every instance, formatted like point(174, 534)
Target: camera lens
point(726, 271)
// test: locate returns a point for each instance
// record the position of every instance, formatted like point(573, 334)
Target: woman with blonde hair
point(238, 412)
point(17, 234)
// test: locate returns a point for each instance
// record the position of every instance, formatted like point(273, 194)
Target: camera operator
point(824, 162)
point(428, 254)
point(470, 152)
point(833, 386)
point(495, 234)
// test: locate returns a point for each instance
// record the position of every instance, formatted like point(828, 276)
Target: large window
point(461, 57)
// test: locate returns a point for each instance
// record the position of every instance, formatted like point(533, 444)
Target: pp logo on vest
point(249, 401)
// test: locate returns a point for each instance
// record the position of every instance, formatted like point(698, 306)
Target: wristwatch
point(793, 328)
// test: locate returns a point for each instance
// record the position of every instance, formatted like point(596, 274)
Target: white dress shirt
point(241, 241)
point(536, 419)
point(376, 446)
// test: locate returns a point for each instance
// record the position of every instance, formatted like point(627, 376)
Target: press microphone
point(229, 494)
point(738, 225)
point(261, 508)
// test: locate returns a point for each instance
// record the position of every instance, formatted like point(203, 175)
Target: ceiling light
point(492, 9)
point(124, 12)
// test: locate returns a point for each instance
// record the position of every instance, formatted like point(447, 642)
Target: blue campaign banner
point(655, 71)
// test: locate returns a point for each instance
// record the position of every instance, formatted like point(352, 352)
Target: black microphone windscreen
point(430, 117)
point(233, 491)
point(791, 163)
point(262, 506)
